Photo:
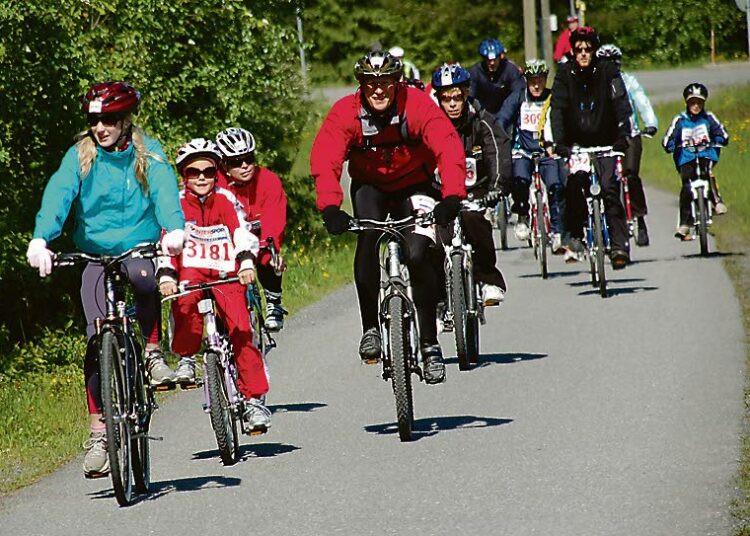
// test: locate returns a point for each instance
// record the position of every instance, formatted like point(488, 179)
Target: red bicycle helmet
point(586, 34)
point(111, 98)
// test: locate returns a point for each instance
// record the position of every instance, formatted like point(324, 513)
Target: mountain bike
point(700, 207)
point(397, 315)
point(262, 338)
point(465, 309)
point(223, 401)
point(596, 230)
point(127, 397)
point(540, 222)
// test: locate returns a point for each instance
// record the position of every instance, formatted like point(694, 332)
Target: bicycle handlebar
point(185, 289)
point(389, 225)
point(600, 150)
point(147, 250)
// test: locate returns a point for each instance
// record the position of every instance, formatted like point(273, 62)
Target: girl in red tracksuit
point(262, 197)
point(216, 242)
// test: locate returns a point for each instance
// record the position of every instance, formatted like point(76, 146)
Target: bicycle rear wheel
point(220, 412)
point(400, 370)
point(599, 249)
point(702, 223)
point(460, 315)
point(115, 407)
point(143, 407)
point(501, 216)
point(542, 239)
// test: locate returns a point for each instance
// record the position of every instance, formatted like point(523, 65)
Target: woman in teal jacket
point(124, 192)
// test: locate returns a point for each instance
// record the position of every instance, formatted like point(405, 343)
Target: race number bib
point(697, 135)
point(471, 172)
point(579, 162)
point(531, 114)
point(208, 248)
point(423, 204)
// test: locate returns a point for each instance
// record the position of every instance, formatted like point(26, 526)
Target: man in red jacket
point(262, 197)
point(394, 138)
point(216, 241)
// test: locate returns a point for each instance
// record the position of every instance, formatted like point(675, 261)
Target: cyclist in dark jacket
point(495, 77)
point(590, 108)
point(488, 170)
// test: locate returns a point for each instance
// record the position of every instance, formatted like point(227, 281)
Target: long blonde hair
point(86, 147)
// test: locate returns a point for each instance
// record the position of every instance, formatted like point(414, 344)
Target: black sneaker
point(619, 259)
point(370, 346)
point(642, 238)
point(433, 364)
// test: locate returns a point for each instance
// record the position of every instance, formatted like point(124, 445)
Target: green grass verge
point(43, 416)
point(732, 107)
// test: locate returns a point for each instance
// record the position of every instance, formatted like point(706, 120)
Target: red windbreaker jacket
point(398, 150)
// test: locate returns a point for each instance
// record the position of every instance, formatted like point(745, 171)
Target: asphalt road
point(586, 417)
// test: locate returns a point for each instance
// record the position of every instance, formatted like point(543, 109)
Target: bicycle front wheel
point(220, 411)
point(599, 249)
point(542, 239)
point(400, 371)
point(115, 407)
point(143, 407)
point(460, 316)
point(702, 223)
point(501, 216)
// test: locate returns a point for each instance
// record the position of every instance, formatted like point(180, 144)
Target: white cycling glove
point(173, 241)
point(39, 256)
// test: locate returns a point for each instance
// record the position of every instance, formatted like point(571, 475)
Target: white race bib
point(579, 162)
point(423, 204)
point(208, 248)
point(696, 136)
point(531, 114)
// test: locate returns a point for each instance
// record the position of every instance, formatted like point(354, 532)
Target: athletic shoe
point(556, 246)
point(96, 461)
point(642, 239)
point(522, 228)
point(574, 251)
point(158, 369)
point(683, 233)
point(433, 364)
point(619, 259)
point(444, 322)
point(185, 372)
point(370, 347)
point(257, 417)
point(492, 295)
point(720, 208)
point(274, 316)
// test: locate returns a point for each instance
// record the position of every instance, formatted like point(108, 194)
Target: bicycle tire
point(400, 370)
point(502, 223)
point(220, 411)
point(542, 237)
point(460, 315)
point(599, 248)
point(141, 447)
point(114, 407)
point(702, 223)
point(472, 322)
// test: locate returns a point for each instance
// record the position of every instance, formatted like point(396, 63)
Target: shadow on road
point(296, 408)
point(616, 291)
point(250, 450)
point(553, 275)
point(159, 489)
point(715, 254)
point(500, 359)
point(430, 426)
point(588, 282)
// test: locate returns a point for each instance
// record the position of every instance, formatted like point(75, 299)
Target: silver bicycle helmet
point(235, 142)
point(196, 148)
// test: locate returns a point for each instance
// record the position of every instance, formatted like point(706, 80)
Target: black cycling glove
point(562, 151)
point(336, 220)
point(492, 197)
point(447, 210)
point(649, 131)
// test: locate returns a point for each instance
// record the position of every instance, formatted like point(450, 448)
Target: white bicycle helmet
point(195, 148)
point(235, 142)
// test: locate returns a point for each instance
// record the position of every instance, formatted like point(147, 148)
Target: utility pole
point(302, 63)
point(529, 28)
point(546, 33)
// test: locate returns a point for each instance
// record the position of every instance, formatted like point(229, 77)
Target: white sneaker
point(257, 416)
point(522, 231)
point(557, 247)
point(573, 256)
point(492, 295)
point(185, 372)
point(96, 460)
point(720, 208)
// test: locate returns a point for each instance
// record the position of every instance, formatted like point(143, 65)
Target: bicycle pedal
point(189, 386)
point(374, 361)
point(94, 476)
point(155, 438)
point(164, 387)
point(259, 431)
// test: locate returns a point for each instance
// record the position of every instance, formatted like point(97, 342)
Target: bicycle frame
point(537, 185)
point(699, 187)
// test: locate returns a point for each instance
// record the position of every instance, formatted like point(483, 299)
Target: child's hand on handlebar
point(167, 288)
point(278, 264)
point(247, 276)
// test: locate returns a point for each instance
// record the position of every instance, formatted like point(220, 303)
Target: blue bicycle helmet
point(491, 49)
point(450, 75)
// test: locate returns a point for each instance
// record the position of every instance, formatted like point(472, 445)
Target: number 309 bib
point(208, 248)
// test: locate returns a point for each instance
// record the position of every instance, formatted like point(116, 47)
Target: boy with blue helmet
point(522, 113)
point(693, 134)
point(495, 77)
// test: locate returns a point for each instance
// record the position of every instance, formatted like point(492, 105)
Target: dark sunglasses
point(237, 161)
point(108, 120)
point(578, 50)
point(453, 98)
point(192, 173)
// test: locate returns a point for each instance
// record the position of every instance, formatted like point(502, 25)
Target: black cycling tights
point(371, 203)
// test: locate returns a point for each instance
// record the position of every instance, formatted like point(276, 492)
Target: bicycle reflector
point(205, 306)
point(595, 189)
